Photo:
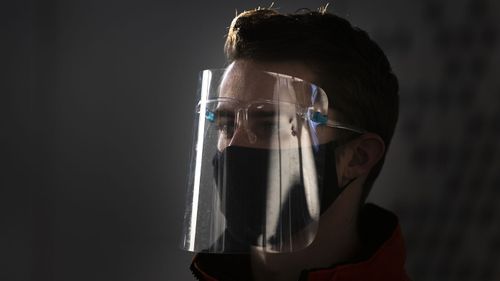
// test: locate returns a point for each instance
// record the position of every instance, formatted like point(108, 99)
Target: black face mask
point(244, 173)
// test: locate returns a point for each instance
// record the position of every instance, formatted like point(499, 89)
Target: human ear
point(366, 151)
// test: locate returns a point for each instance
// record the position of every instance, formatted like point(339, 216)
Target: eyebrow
point(224, 112)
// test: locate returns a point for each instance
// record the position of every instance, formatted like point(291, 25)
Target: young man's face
point(267, 159)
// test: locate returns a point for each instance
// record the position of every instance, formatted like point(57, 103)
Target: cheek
point(324, 134)
point(222, 143)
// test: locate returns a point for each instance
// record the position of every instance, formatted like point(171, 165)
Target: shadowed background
point(96, 108)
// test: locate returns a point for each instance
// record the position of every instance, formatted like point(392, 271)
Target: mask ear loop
point(322, 119)
point(341, 190)
point(345, 186)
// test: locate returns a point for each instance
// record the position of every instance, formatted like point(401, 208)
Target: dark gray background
point(96, 107)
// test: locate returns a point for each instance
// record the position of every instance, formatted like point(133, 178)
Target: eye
point(268, 126)
point(265, 128)
point(228, 131)
point(225, 127)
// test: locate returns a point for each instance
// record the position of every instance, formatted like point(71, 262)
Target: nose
point(242, 136)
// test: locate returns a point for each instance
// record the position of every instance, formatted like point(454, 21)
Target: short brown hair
point(349, 66)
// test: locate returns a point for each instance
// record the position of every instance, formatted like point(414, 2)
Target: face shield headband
point(263, 162)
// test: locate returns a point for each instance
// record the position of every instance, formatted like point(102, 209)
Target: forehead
point(249, 80)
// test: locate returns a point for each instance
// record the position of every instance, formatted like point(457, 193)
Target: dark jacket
point(383, 256)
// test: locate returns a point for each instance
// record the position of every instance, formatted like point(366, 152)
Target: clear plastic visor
point(258, 162)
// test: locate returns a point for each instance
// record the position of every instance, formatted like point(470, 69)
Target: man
point(290, 138)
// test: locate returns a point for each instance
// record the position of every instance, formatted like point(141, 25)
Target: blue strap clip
point(210, 116)
point(317, 117)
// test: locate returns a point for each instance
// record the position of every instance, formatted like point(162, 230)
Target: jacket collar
point(383, 257)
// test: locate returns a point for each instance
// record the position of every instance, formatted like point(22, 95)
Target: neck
point(337, 240)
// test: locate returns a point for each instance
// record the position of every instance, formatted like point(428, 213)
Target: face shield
point(263, 164)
